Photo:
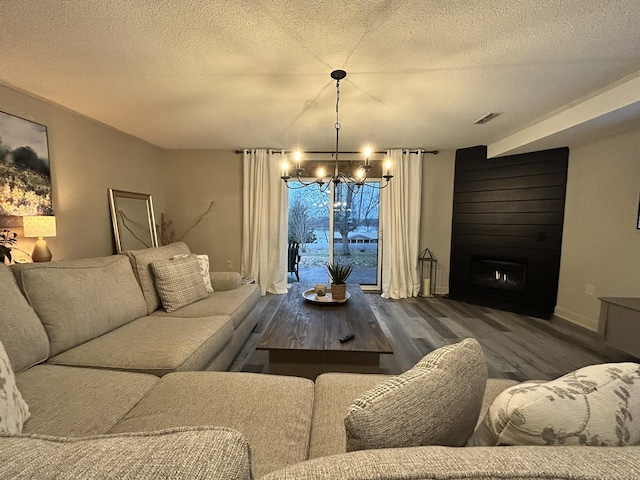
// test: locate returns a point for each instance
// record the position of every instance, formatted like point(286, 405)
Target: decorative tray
point(311, 296)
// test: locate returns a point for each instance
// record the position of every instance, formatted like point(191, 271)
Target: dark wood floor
point(515, 346)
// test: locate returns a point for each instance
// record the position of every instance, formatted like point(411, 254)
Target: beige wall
point(195, 178)
point(87, 157)
point(437, 209)
point(601, 245)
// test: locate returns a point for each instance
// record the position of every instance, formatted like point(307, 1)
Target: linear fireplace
point(506, 229)
point(499, 274)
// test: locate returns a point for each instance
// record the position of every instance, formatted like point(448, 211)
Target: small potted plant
point(339, 274)
point(7, 238)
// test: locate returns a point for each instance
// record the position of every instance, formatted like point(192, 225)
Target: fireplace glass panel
point(499, 274)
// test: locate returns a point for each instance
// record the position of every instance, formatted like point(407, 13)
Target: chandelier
point(323, 180)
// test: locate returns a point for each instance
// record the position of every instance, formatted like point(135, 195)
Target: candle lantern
point(428, 268)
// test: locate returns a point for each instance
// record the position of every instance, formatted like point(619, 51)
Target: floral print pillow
point(13, 409)
point(203, 260)
point(598, 405)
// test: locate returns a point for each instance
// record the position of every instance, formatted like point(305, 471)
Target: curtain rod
point(432, 152)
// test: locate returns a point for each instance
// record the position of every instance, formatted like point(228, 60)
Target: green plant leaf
point(339, 272)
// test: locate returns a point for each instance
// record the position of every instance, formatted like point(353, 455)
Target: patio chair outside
point(294, 259)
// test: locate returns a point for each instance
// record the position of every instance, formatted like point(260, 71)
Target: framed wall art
point(25, 173)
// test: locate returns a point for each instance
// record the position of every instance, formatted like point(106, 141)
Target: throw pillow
point(437, 402)
point(203, 260)
point(178, 282)
point(595, 405)
point(13, 409)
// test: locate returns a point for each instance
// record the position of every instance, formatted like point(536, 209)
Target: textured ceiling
point(247, 73)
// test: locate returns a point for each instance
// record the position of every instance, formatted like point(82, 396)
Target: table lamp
point(40, 226)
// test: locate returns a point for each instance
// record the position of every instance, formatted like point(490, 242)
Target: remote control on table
point(347, 337)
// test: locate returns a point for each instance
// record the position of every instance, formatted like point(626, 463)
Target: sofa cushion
point(335, 392)
point(437, 402)
point(204, 452)
point(485, 463)
point(141, 263)
point(21, 331)
point(78, 300)
point(154, 345)
point(597, 405)
point(75, 402)
point(236, 303)
point(272, 412)
point(178, 282)
point(13, 409)
point(495, 386)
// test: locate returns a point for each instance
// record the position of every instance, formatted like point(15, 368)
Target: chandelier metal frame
point(353, 183)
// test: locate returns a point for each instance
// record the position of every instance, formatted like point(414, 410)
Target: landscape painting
point(25, 174)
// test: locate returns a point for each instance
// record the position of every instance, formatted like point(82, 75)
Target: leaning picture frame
point(134, 225)
point(638, 223)
point(25, 171)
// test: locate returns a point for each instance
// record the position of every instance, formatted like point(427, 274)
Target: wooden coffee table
point(303, 337)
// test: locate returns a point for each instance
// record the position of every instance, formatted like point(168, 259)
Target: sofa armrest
point(225, 280)
point(462, 463)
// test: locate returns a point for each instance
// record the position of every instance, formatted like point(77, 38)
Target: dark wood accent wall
point(509, 208)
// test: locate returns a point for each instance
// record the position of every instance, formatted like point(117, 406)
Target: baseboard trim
point(577, 319)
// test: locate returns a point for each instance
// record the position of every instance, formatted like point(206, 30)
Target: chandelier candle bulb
point(388, 165)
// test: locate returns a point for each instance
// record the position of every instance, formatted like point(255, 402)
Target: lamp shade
point(39, 226)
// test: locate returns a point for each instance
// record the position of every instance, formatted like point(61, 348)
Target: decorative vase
point(339, 292)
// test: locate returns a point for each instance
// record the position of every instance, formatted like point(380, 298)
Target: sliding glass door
point(336, 225)
point(355, 232)
point(310, 227)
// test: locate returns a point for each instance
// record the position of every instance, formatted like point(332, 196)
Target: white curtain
point(264, 222)
point(400, 223)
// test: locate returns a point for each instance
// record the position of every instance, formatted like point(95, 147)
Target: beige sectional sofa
point(99, 408)
point(105, 313)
